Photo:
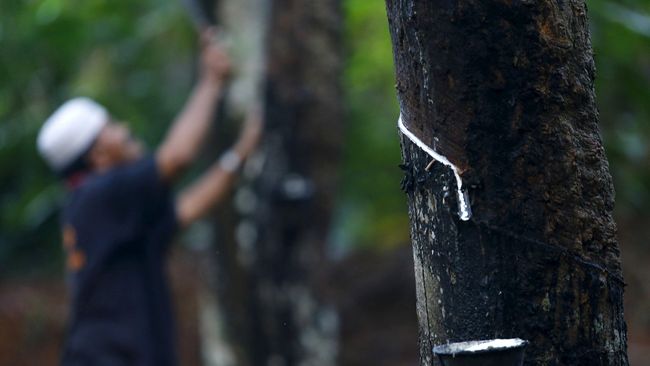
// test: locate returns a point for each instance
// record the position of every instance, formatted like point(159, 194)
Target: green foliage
point(621, 41)
point(134, 57)
point(373, 210)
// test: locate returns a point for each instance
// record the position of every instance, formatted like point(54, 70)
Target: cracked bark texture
point(271, 247)
point(505, 90)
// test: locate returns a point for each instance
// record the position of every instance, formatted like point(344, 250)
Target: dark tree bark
point(272, 242)
point(504, 89)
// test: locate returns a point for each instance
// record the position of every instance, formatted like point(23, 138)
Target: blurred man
point(120, 216)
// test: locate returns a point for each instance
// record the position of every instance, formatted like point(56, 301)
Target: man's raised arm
point(188, 131)
point(201, 196)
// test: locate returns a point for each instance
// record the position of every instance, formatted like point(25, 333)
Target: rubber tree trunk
point(272, 236)
point(504, 90)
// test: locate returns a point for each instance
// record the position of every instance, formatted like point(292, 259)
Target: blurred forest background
point(138, 58)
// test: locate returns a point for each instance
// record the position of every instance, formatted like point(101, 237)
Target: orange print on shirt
point(69, 237)
point(76, 259)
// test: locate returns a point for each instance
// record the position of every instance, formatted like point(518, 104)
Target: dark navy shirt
point(117, 227)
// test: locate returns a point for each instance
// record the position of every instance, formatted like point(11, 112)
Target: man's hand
point(215, 63)
point(180, 147)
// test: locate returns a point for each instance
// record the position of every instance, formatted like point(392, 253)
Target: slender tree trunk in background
point(271, 238)
point(504, 89)
point(225, 297)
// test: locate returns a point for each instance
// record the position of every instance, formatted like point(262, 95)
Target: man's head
point(113, 146)
point(80, 136)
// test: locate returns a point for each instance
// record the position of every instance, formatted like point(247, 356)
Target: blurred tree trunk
point(504, 89)
point(271, 237)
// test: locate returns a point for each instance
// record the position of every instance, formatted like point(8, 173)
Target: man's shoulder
point(108, 179)
point(100, 185)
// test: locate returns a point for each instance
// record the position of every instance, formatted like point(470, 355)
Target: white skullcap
point(70, 131)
